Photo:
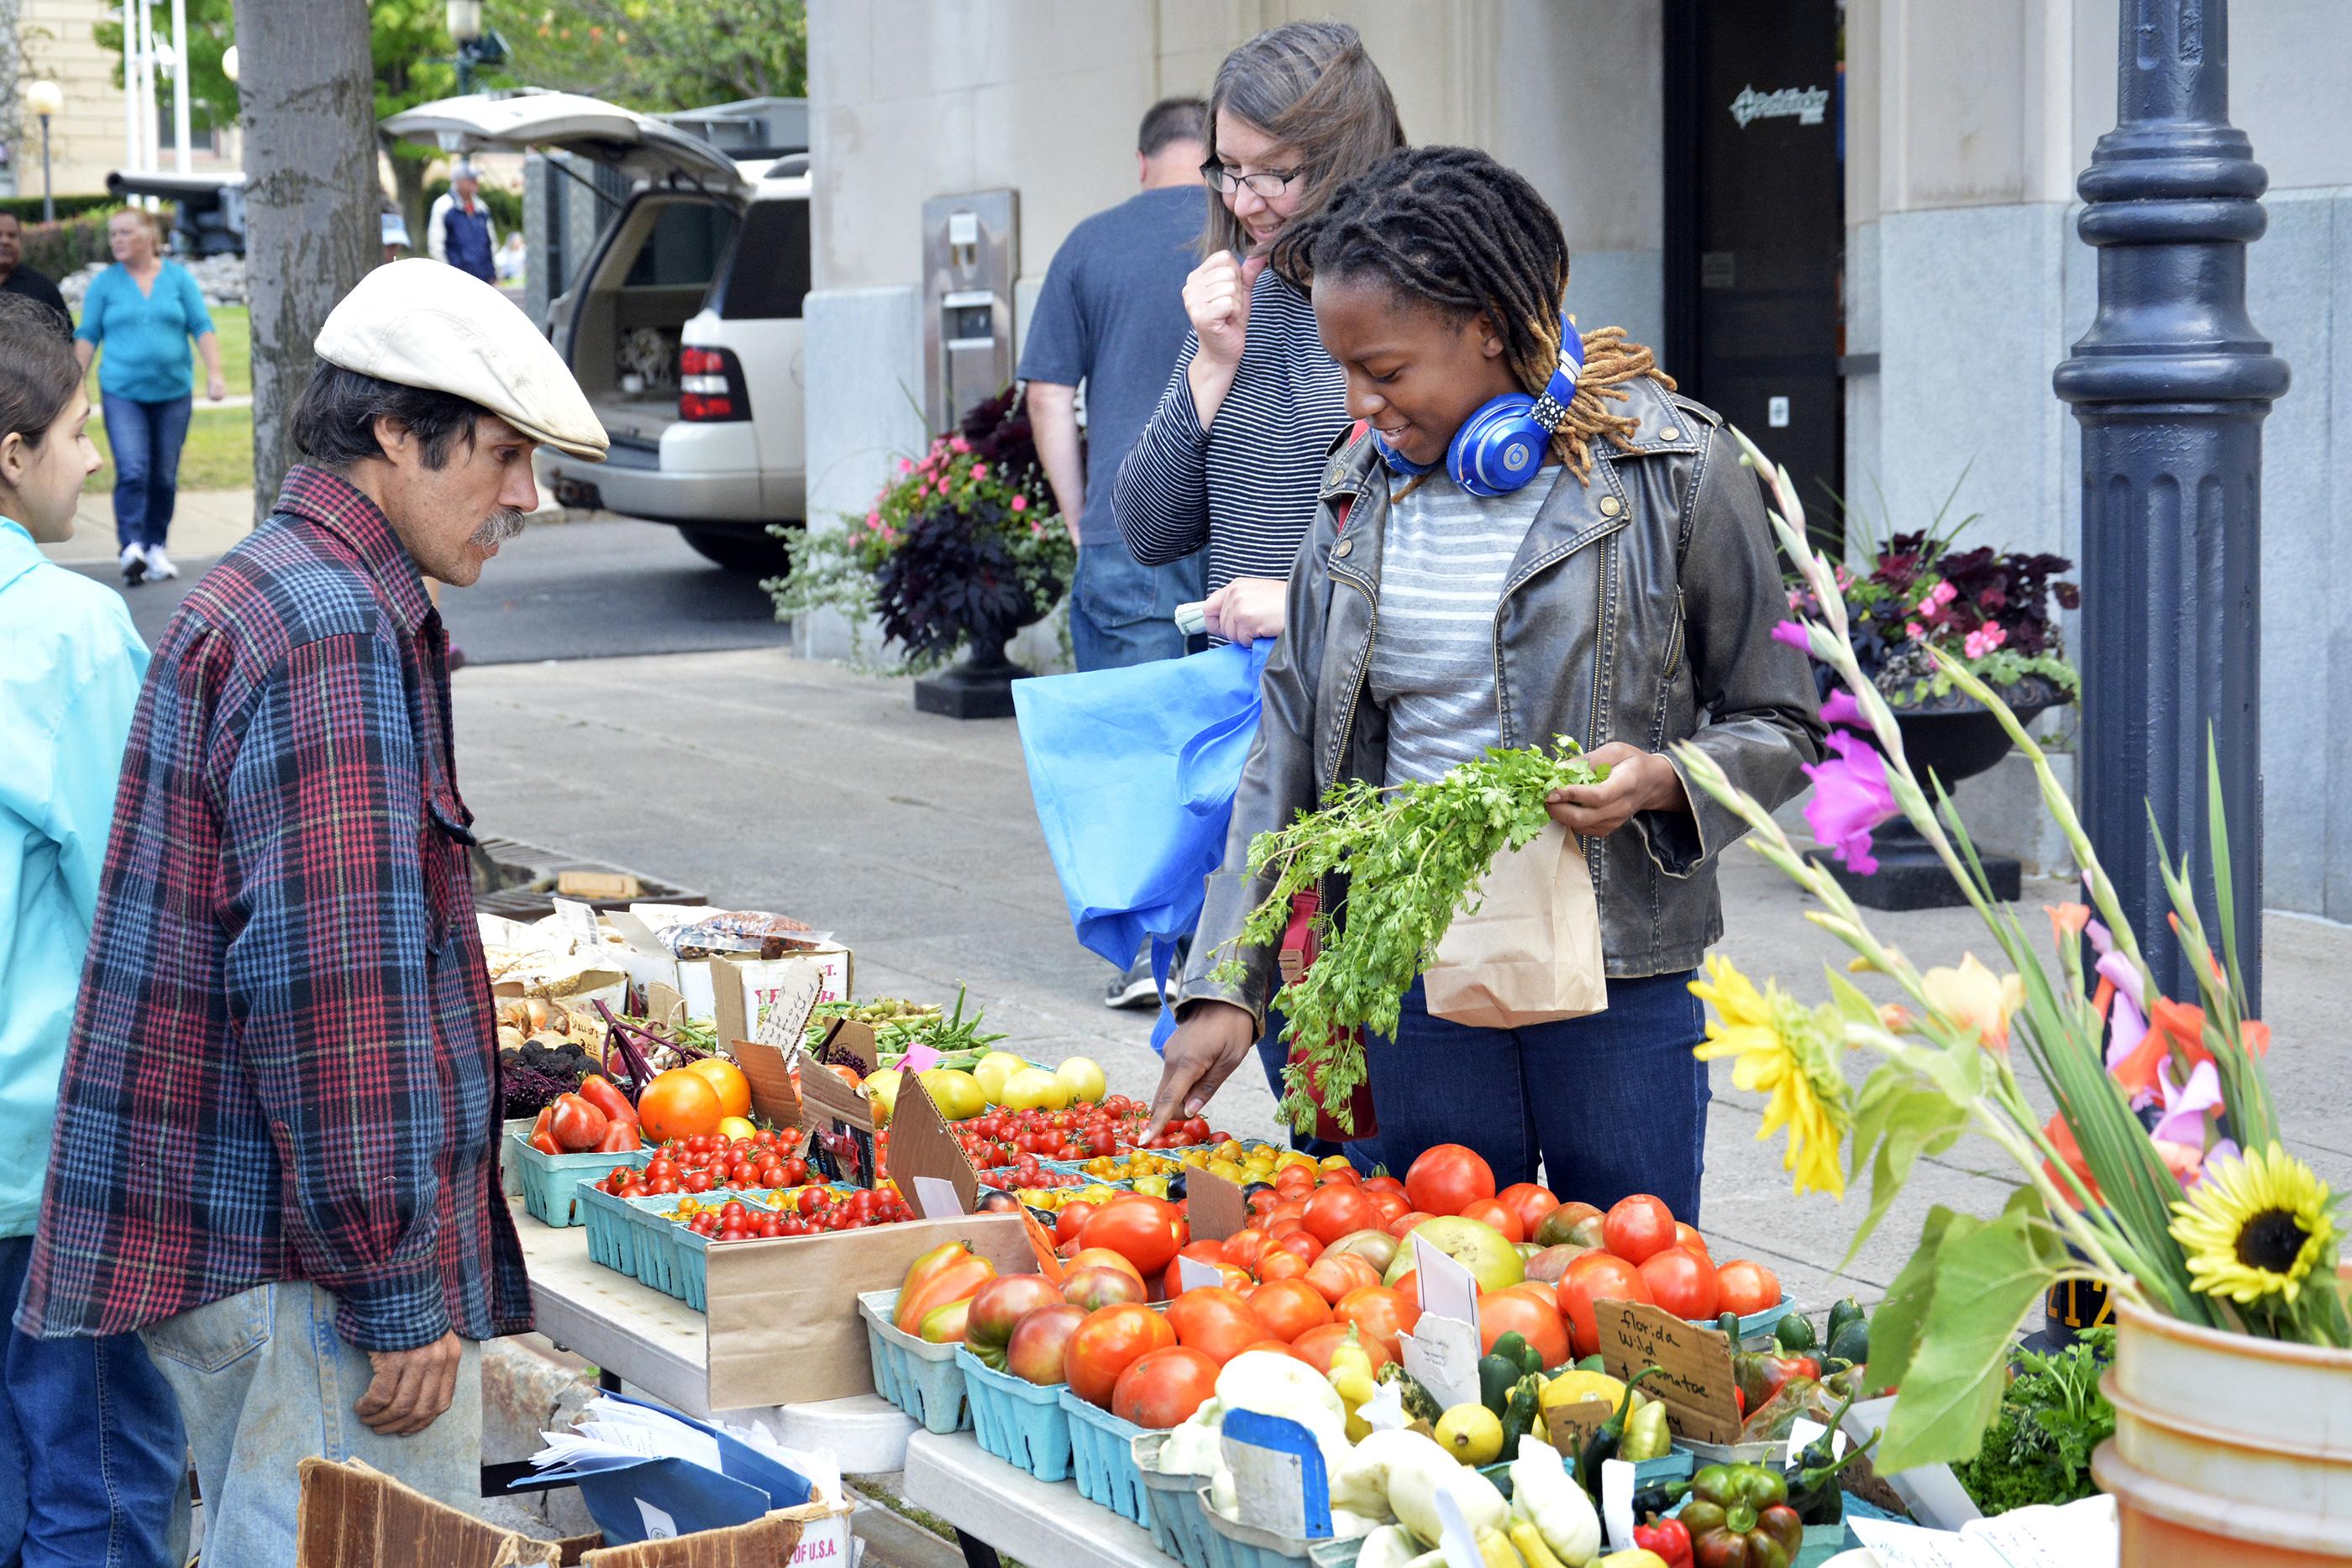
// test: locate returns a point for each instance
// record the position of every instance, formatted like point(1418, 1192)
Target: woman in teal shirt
point(145, 310)
point(91, 1451)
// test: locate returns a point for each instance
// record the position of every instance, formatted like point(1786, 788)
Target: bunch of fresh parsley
point(1412, 855)
point(2038, 1448)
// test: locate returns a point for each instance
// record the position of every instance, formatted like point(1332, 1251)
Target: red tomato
point(1315, 1348)
point(1689, 1236)
point(1447, 1178)
point(1107, 1342)
point(1104, 1258)
point(1245, 1248)
point(1072, 1221)
point(1593, 1277)
point(1276, 1346)
point(1637, 1226)
point(1379, 1313)
point(1216, 1323)
point(1402, 1226)
point(1529, 1202)
point(1162, 1388)
point(1145, 1230)
point(1338, 1208)
point(1744, 1287)
point(1537, 1322)
point(1501, 1217)
point(1384, 1184)
point(1335, 1274)
point(1300, 1242)
point(1289, 1308)
point(1682, 1282)
point(1407, 1285)
point(1278, 1264)
point(1389, 1204)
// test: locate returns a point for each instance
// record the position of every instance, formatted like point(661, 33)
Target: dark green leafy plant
point(1410, 855)
point(2039, 1446)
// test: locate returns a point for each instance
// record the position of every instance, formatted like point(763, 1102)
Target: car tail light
point(710, 386)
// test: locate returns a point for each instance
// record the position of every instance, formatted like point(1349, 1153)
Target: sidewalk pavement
point(775, 783)
point(205, 524)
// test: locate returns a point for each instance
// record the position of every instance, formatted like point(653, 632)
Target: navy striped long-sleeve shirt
point(1246, 486)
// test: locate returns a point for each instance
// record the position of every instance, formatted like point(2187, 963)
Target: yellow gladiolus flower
point(1783, 1050)
point(1976, 998)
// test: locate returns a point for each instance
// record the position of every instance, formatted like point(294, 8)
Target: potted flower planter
point(1953, 736)
point(981, 686)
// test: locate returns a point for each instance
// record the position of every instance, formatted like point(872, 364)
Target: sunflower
point(2256, 1227)
point(1784, 1050)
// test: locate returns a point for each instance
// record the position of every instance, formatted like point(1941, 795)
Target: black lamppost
point(477, 44)
point(2171, 384)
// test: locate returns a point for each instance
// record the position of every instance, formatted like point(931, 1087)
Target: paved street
point(803, 787)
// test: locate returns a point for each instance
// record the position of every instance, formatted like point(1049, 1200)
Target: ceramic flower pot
point(1953, 736)
point(2228, 1450)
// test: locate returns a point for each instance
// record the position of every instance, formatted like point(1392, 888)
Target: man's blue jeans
point(93, 1465)
point(1123, 612)
point(144, 439)
point(1612, 1104)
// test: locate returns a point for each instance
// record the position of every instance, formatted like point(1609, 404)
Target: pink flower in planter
point(1020, 503)
point(960, 444)
point(1983, 641)
point(1943, 593)
point(1850, 798)
point(906, 465)
point(980, 470)
point(1912, 630)
point(1840, 709)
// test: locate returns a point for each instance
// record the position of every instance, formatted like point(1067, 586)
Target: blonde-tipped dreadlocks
point(1450, 227)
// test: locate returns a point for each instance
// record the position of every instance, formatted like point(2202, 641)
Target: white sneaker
point(159, 565)
point(134, 565)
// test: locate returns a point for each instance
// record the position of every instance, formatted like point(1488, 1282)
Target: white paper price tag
point(577, 920)
point(785, 1023)
point(1617, 1503)
point(1447, 1288)
point(1270, 1489)
point(936, 1196)
point(1456, 1540)
point(1442, 1353)
point(1385, 1411)
point(1192, 1273)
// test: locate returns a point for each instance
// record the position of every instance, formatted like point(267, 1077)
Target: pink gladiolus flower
point(1850, 798)
point(1794, 633)
point(1840, 709)
point(1020, 503)
point(2184, 1109)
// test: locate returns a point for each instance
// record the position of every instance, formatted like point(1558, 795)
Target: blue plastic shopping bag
point(1133, 771)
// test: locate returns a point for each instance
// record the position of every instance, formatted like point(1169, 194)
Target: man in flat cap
point(276, 1139)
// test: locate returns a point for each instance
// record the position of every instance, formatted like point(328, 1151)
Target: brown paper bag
point(1529, 950)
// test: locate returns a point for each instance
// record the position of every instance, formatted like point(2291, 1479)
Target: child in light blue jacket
point(92, 1456)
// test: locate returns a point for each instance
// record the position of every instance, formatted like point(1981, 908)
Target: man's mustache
point(501, 526)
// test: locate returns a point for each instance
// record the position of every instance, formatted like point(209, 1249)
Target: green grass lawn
point(219, 452)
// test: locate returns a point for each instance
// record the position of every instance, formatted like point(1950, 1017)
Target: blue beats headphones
point(1499, 447)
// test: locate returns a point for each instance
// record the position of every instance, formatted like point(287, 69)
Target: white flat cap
point(426, 324)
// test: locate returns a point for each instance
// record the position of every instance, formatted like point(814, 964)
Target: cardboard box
point(350, 1516)
point(354, 1517)
point(732, 994)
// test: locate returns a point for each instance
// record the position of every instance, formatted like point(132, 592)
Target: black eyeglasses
point(1268, 183)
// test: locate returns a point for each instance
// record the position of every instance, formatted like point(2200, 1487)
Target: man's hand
point(412, 1387)
point(1638, 781)
point(1215, 1038)
point(1247, 608)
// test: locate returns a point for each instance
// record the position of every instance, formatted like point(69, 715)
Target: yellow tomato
point(1035, 1089)
point(1083, 1078)
point(735, 1128)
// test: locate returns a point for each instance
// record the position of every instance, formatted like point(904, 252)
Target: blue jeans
point(1613, 1104)
point(145, 439)
point(93, 1465)
point(1122, 612)
point(265, 1382)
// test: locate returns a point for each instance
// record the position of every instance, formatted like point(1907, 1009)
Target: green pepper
point(1794, 1335)
point(1602, 1447)
point(1760, 1375)
point(1738, 1517)
point(1647, 1436)
point(1523, 1412)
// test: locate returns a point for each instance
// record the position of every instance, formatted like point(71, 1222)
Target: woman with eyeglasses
point(1231, 459)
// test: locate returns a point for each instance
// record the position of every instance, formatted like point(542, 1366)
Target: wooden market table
point(655, 1343)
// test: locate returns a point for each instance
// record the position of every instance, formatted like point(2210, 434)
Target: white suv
point(684, 326)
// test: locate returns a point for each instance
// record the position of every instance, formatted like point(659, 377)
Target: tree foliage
point(657, 56)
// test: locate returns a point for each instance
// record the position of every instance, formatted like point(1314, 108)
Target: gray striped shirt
point(1443, 559)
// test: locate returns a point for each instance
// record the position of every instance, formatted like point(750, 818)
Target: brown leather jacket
point(1640, 609)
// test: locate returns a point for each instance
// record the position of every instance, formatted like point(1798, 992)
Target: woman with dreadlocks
point(1555, 544)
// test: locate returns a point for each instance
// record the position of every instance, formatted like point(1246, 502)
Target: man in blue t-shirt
point(1111, 316)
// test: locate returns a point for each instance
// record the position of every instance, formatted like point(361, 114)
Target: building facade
point(56, 40)
point(1849, 227)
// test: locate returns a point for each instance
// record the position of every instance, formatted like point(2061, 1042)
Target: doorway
point(1755, 226)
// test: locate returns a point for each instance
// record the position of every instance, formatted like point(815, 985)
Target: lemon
point(1472, 1434)
point(1085, 1078)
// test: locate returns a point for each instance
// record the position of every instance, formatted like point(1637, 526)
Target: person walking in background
point(1111, 317)
point(16, 278)
point(1230, 458)
point(92, 1453)
point(285, 1002)
point(141, 312)
point(460, 231)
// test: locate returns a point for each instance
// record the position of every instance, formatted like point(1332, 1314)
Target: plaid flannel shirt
point(284, 1061)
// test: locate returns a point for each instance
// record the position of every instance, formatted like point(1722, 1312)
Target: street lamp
point(44, 98)
point(477, 44)
point(228, 62)
point(2170, 386)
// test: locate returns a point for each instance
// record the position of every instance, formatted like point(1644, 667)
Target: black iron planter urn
point(1948, 737)
point(981, 686)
